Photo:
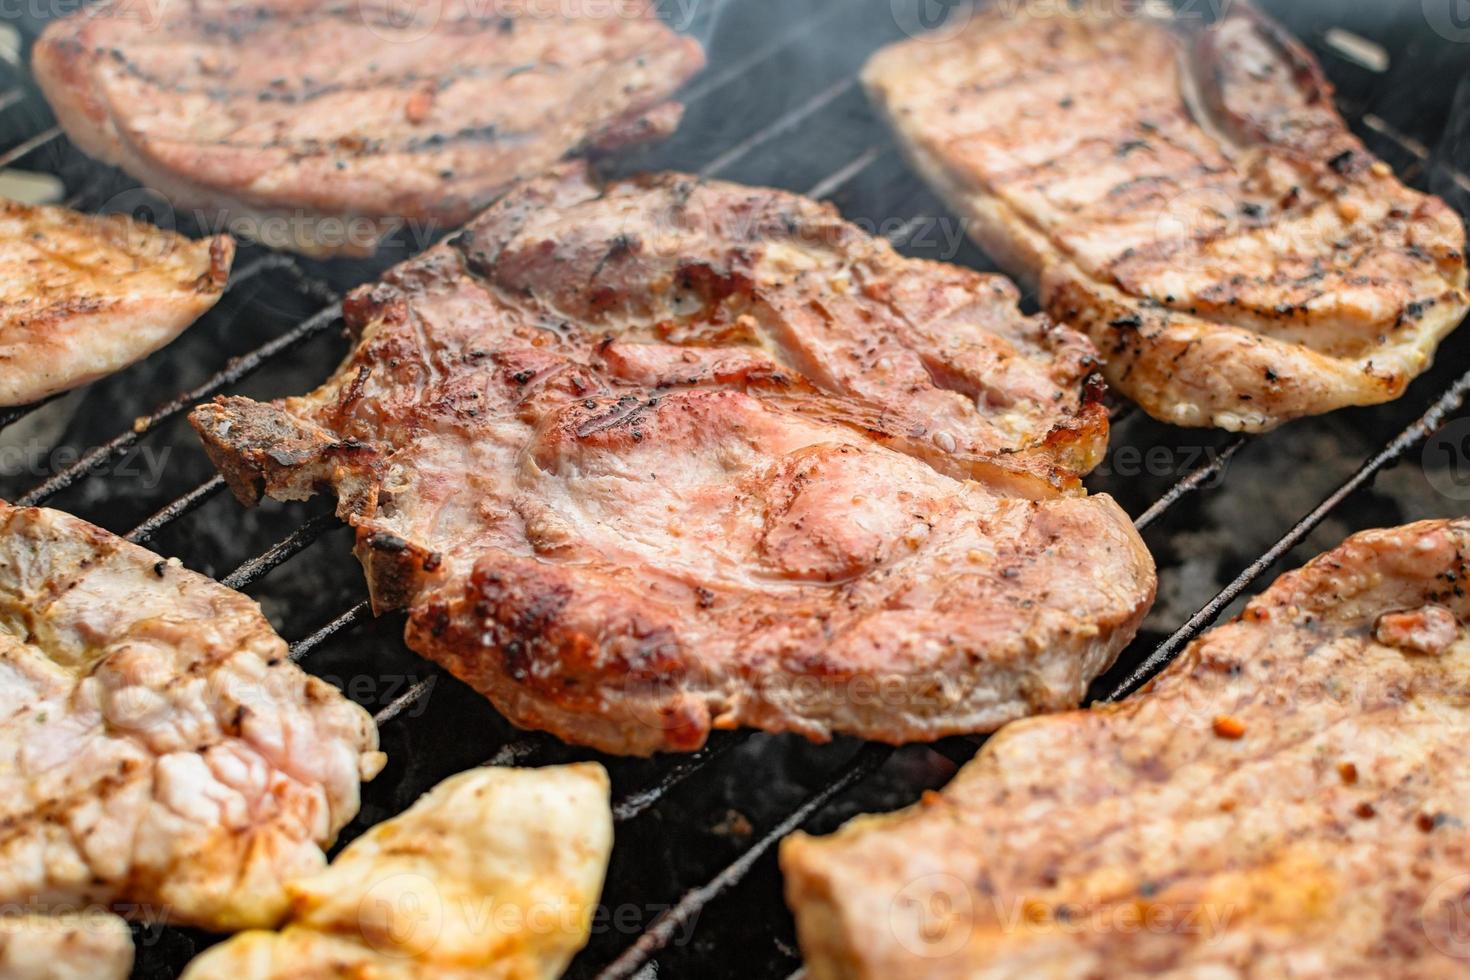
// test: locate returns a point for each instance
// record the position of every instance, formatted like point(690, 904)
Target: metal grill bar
point(1192, 482)
point(29, 146)
point(759, 54)
point(279, 553)
point(662, 932)
point(784, 124)
point(1421, 429)
point(344, 622)
point(176, 509)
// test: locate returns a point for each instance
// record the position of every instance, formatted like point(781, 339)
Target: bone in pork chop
point(661, 457)
point(82, 296)
point(1290, 798)
point(1187, 195)
point(321, 127)
point(159, 749)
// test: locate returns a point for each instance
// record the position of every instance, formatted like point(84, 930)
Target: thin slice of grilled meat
point(495, 873)
point(579, 445)
point(322, 127)
point(1189, 196)
point(75, 945)
point(157, 747)
point(82, 296)
point(1290, 798)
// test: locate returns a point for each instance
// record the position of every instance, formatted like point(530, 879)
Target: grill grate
point(779, 104)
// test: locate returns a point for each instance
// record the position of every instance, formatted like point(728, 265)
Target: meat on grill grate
point(495, 873)
point(651, 459)
point(321, 127)
point(1191, 199)
point(82, 296)
point(1289, 798)
point(75, 946)
point(158, 748)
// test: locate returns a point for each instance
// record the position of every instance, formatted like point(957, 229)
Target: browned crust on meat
point(82, 296)
point(1238, 256)
point(1289, 795)
point(278, 119)
point(588, 371)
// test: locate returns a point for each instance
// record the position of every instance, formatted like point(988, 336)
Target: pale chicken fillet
point(323, 127)
point(493, 875)
point(580, 445)
point(93, 945)
point(83, 296)
point(157, 747)
point(1188, 195)
point(1289, 798)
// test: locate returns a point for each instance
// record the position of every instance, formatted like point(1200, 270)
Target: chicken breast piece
point(73, 946)
point(1290, 798)
point(613, 500)
point(1187, 195)
point(321, 127)
point(495, 873)
point(157, 747)
point(83, 296)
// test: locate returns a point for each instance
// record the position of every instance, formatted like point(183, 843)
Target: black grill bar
point(1191, 483)
point(662, 932)
point(345, 621)
point(635, 803)
point(1417, 432)
point(293, 544)
point(176, 509)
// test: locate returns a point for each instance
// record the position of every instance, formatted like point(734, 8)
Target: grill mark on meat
point(1288, 762)
point(645, 522)
point(460, 109)
point(1117, 197)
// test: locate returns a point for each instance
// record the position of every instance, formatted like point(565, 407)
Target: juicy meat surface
point(1290, 798)
point(320, 126)
point(73, 946)
point(82, 296)
point(157, 747)
point(1189, 196)
point(580, 444)
point(493, 875)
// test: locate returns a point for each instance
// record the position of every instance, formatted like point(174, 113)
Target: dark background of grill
point(778, 86)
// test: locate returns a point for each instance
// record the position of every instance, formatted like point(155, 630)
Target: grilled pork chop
point(633, 461)
point(493, 874)
point(321, 127)
point(1289, 798)
point(1190, 198)
point(156, 746)
point(82, 296)
point(74, 946)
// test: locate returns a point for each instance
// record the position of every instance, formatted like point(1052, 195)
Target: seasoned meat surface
point(493, 875)
point(322, 126)
point(1188, 195)
point(73, 946)
point(159, 749)
point(82, 296)
point(614, 457)
point(1290, 798)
